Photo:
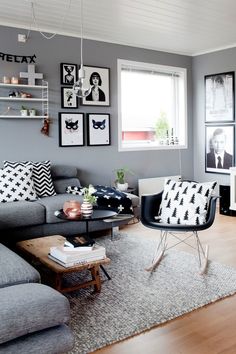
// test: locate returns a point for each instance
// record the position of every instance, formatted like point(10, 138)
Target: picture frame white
point(98, 129)
point(71, 129)
point(69, 73)
point(100, 87)
point(219, 143)
point(219, 98)
point(68, 98)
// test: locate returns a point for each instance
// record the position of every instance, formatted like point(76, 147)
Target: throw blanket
point(108, 197)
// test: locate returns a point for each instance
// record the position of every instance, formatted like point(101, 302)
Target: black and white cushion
point(185, 202)
point(41, 176)
point(74, 190)
point(16, 184)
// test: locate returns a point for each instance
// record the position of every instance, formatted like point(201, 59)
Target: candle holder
point(14, 80)
point(6, 80)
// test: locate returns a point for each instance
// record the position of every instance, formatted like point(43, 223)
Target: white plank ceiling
point(179, 26)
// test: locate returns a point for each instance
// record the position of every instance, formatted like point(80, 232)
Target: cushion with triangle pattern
point(185, 202)
point(41, 176)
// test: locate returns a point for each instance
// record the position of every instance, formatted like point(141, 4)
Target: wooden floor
point(209, 330)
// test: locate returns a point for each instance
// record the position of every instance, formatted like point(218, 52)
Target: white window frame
point(150, 67)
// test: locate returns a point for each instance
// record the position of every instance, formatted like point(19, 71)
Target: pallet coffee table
point(36, 251)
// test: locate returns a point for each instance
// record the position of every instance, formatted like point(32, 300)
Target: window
point(152, 106)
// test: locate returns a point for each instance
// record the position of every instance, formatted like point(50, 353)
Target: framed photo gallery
point(72, 129)
point(97, 79)
point(219, 122)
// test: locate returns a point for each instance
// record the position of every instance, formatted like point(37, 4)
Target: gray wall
point(21, 139)
point(207, 64)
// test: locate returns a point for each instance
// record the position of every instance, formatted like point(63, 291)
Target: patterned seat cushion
point(185, 202)
point(41, 176)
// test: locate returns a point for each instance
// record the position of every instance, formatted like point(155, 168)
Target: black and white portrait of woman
point(96, 93)
point(219, 97)
point(98, 80)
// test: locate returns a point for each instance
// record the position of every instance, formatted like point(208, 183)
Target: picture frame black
point(69, 73)
point(71, 129)
point(68, 98)
point(98, 79)
point(98, 129)
point(219, 97)
point(219, 148)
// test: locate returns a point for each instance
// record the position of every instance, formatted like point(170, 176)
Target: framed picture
point(68, 98)
point(71, 129)
point(219, 154)
point(68, 74)
point(219, 97)
point(99, 81)
point(98, 125)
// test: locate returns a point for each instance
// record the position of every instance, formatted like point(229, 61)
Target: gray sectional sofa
point(29, 219)
point(34, 317)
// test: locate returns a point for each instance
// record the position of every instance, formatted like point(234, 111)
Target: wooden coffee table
point(36, 251)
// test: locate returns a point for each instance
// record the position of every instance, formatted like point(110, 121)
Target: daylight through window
point(152, 106)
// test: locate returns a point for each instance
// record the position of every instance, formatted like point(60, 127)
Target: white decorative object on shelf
point(31, 75)
point(6, 80)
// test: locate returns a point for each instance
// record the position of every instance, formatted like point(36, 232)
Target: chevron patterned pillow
point(185, 202)
point(16, 184)
point(41, 176)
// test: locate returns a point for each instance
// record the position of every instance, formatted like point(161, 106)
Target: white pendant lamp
point(78, 87)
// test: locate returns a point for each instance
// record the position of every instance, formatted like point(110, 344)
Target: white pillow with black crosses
point(41, 176)
point(74, 190)
point(185, 202)
point(16, 184)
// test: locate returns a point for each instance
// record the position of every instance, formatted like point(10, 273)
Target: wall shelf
point(23, 85)
point(22, 99)
point(42, 98)
point(24, 117)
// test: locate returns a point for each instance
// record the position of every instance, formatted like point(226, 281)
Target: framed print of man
point(219, 148)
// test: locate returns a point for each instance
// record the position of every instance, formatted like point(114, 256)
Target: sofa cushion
point(57, 339)
point(16, 184)
point(55, 203)
point(63, 171)
point(62, 184)
point(14, 269)
point(22, 213)
point(41, 176)
point(27, 308)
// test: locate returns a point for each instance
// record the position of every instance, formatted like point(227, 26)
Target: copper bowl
point(71, 209)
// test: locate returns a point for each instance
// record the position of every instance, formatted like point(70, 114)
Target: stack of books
point(70, 255)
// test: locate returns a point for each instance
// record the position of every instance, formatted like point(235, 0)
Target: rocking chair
point(150, 205)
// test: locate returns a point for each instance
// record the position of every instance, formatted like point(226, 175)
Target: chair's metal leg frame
point(162, 247)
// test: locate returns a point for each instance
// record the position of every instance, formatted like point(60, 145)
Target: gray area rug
point(135, 300)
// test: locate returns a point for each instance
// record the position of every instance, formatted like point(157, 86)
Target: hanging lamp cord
point(81, 26)
point(33, 19)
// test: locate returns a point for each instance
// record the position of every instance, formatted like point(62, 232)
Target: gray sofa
point(29, 219)
point(34, 317)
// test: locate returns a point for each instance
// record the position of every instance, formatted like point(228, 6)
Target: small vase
point(122, 187)
point(86, 208)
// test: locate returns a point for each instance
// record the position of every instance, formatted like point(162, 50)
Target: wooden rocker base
point(155, 262)
point(205, 261)
point(158, 259)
